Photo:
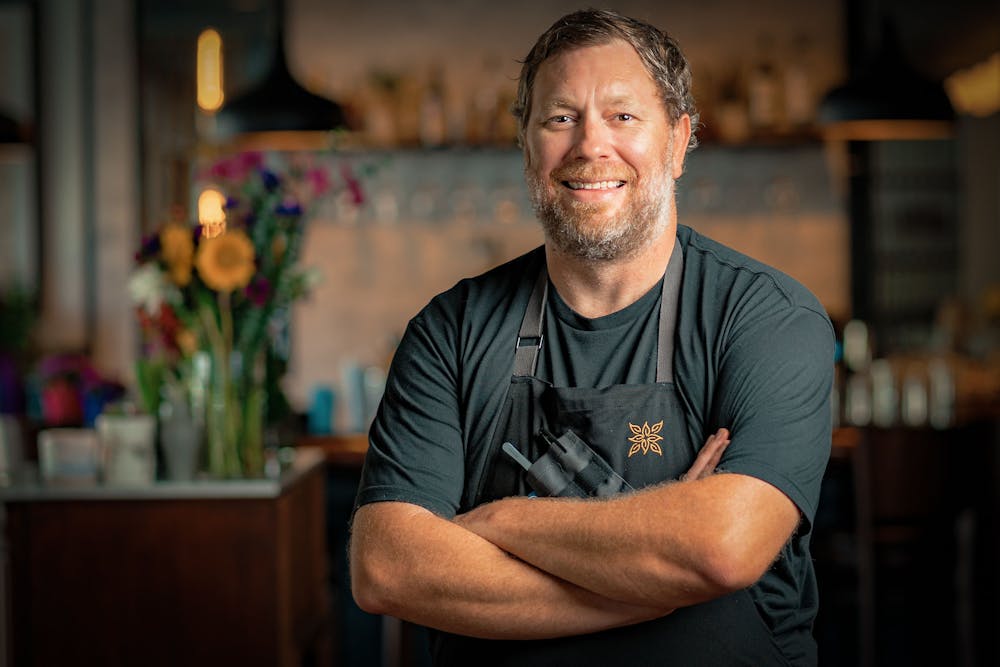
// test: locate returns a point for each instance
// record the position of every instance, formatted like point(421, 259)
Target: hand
point(708, 457)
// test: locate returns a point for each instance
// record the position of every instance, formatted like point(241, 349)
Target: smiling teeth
point(599, 185)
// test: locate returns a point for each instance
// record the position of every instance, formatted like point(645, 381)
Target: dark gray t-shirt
point(619, 348)
point(753, 352)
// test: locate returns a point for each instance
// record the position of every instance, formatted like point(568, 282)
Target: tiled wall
point(435, 217)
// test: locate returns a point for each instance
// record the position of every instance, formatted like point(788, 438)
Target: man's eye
point(625, 116)
point(560, 119)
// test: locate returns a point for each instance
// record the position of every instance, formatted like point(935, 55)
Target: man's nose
point(592, 140)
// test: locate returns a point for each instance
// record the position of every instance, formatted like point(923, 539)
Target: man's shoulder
point(714, 269)
point(502, 280)
point(478, 300)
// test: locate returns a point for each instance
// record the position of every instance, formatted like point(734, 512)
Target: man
point(642, 338)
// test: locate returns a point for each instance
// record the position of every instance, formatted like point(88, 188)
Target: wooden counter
point(345, 450)
point(204, 573)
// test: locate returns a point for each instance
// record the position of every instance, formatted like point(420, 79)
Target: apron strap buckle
point(526, 354)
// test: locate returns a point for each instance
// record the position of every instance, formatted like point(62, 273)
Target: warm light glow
point(976, 91)
point(209, 72)
point(887, 130)
point(288, 140)
point(212, 213)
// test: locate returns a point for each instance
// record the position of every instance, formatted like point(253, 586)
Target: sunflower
point(177, 250)
point(226, 262)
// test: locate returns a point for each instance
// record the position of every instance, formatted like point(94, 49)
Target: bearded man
point(691, 381)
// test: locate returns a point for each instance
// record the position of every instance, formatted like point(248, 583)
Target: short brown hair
point(658, 51)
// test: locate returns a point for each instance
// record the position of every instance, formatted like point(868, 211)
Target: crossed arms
point(534, 568)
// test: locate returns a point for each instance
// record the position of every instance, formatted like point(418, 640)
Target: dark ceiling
point(940, 37)
point(937, 36)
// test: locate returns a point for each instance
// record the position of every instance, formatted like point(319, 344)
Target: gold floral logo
point(645, 438)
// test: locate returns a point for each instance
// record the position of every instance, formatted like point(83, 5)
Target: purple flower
point(289, 207)
point(270, 179)
point(258, 291)
point(64, 364)
point(11, 389)
point(149, 248)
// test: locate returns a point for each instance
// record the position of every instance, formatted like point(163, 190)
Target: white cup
point(69, 456)
point(129, 445)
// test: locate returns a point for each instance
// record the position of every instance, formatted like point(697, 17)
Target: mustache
point(591, 172)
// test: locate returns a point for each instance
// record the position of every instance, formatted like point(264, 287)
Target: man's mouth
point(593, 185)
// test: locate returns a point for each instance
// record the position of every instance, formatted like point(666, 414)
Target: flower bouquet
point(214, 297)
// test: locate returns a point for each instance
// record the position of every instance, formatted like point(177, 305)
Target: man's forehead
point(554, 82)
point(557, 101)
point(615, 44)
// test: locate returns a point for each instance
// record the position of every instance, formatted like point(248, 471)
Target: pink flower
point(62, 404)
point(319, 179)
point(353, 185)
point(236, 168)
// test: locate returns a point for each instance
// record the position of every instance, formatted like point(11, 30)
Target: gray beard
point(643, 220)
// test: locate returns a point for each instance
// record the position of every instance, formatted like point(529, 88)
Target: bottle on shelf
point(433, 128)
point(764, 90)
point(800, 98)
point(732, 124)
point(379, 110)
point(885, 398)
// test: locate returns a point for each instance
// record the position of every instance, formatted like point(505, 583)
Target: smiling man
point(683, 385)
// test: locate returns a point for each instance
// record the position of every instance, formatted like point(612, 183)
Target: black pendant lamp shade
point(279, 103)
point(887, 99)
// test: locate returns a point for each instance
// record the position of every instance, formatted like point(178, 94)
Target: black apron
point(641, 431)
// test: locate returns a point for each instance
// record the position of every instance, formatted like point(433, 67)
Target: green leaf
point(149, 378)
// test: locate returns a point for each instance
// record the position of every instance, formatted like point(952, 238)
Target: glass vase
point(235, 404)
point(180, 432)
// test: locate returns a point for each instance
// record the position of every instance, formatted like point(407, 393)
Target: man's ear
point(681, 131)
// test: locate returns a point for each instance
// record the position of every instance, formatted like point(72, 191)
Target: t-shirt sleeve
point(415, 444)
point(774, 396)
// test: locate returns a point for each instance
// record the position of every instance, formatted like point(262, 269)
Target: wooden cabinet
point(213, 573)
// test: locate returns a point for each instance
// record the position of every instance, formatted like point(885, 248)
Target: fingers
point(716, 450)
point(709, 456)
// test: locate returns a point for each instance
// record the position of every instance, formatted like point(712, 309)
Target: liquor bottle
point(799, 94)
point(764, 105)
point(433, 128)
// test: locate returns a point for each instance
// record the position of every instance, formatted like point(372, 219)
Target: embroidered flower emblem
point(646, 438)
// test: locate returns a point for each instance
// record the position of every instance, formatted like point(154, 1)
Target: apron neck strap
point(529, 337)
point(668, 314)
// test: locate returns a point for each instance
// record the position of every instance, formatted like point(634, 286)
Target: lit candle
point(212, 213)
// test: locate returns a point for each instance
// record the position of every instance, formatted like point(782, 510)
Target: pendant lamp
point(886, 99)
point(278, 104)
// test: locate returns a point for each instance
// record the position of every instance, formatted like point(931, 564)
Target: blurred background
point(854, 145)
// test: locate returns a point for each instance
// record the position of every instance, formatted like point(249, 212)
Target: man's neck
point(598, 288)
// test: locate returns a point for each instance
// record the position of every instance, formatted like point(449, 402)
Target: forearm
point(670, 546)
point(408, 563)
